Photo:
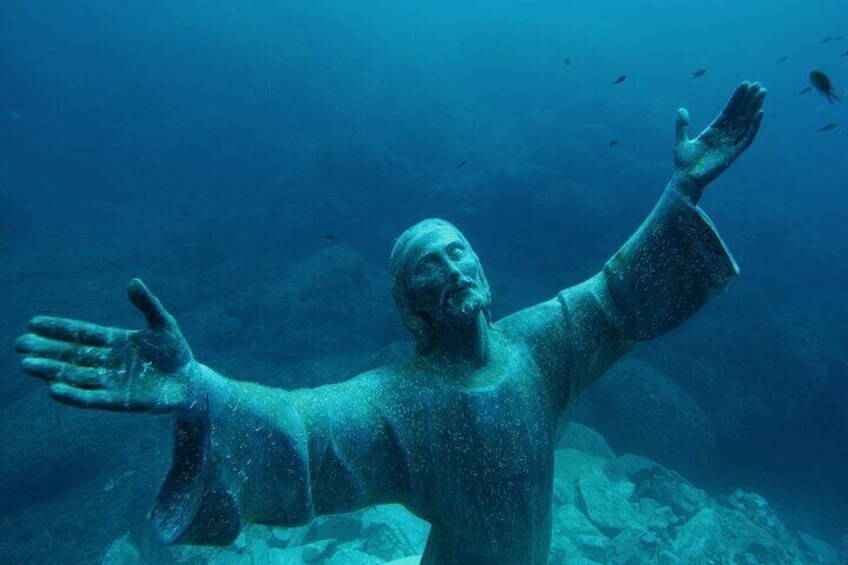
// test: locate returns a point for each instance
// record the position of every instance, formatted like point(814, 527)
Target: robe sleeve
point(674, 264)
point(276, 457)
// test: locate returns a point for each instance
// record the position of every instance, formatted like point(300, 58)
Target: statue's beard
point(463, 304)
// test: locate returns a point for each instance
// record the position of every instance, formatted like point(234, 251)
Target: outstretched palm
point(704, 158)
point(111, 368)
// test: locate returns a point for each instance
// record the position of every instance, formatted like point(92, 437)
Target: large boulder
point(639, 409)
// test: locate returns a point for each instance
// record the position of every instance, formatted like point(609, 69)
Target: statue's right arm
point(243, 452)
point(251, 453)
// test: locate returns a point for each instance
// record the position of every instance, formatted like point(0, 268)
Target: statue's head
point(437, 280)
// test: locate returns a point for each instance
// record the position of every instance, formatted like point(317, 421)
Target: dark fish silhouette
point(821, 83)
point(330, 237)
point(826, 40)
point(839, 38)
point(620, 79)
point(613, 142)
point(782, 59)
point(462, 163)
point(806, 89)
point(828, 127)
point(699, 73)
point(845, 54)
point(567, 61)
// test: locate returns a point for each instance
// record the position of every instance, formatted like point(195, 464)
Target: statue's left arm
point(674, 264)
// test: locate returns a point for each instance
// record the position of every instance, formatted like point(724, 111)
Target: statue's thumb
point(149, 305)
point(682, 126)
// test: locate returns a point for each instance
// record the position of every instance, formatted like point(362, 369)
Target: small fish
point(567, 61)
point(620, 79)
point(772, 115)
point(806, 89)
point(613, 143)
point(845, 54)
point(828, 127)
point(839, 38)
point(330, 237)
point(462, 163)
point(110, 485)
point(827, 39)
point(821, 83)
point(782, 59)
point(699, 73)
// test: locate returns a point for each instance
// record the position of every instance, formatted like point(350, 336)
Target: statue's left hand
point(704, 158)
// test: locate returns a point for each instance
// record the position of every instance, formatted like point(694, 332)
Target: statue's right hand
point(93, 366)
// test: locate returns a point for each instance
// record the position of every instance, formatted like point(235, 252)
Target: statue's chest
point(491, 455)
point(493, 432)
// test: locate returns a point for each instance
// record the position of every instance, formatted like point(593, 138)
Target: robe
point(475, 462)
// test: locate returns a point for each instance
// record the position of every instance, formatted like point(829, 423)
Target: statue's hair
point(418, 324)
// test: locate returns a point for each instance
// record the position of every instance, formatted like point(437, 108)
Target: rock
point(583, 438)
point(569, 521)
point(280, 537)
point(659, 519)
point(309, 553)
point(574, 535)
point(313, 552)
point(411, 560)
point(662, 485)
point(297, 317)
point(336, 526)
point(640, 409)
point(346, 555)
point(701, 539)
point(606, 503)
point(756, 509)
point(668, 558)
point(571, 464)
point(818, 551)
point(564, 493)
point(122, 552)
point(842, 547)
point(633, 546)
point(392, 532)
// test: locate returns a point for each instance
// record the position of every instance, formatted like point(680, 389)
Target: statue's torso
point(481, 462)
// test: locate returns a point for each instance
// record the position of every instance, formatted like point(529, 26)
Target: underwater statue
point(462, 434)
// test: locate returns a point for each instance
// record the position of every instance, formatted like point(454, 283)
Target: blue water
point(225, 151)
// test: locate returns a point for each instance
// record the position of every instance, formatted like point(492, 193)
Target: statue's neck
point(466, 345)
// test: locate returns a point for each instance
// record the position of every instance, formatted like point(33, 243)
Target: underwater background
point(253, 162)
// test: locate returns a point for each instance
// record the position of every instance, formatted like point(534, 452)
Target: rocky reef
point(616, 510)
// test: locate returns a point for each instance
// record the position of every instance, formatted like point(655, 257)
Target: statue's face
point(444, 277)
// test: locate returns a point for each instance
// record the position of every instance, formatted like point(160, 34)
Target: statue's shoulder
point(534, 322)
point(382, 376)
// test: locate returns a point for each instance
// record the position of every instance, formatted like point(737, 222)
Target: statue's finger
point(752, 131)
point(87, 355)
point(748, 107)
point(756, 104)
point(65, 329)
point(59, 371)
point(84, 398)
point(141, 297)
point(681, 126)
point(748, 100)
point(732, 106)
